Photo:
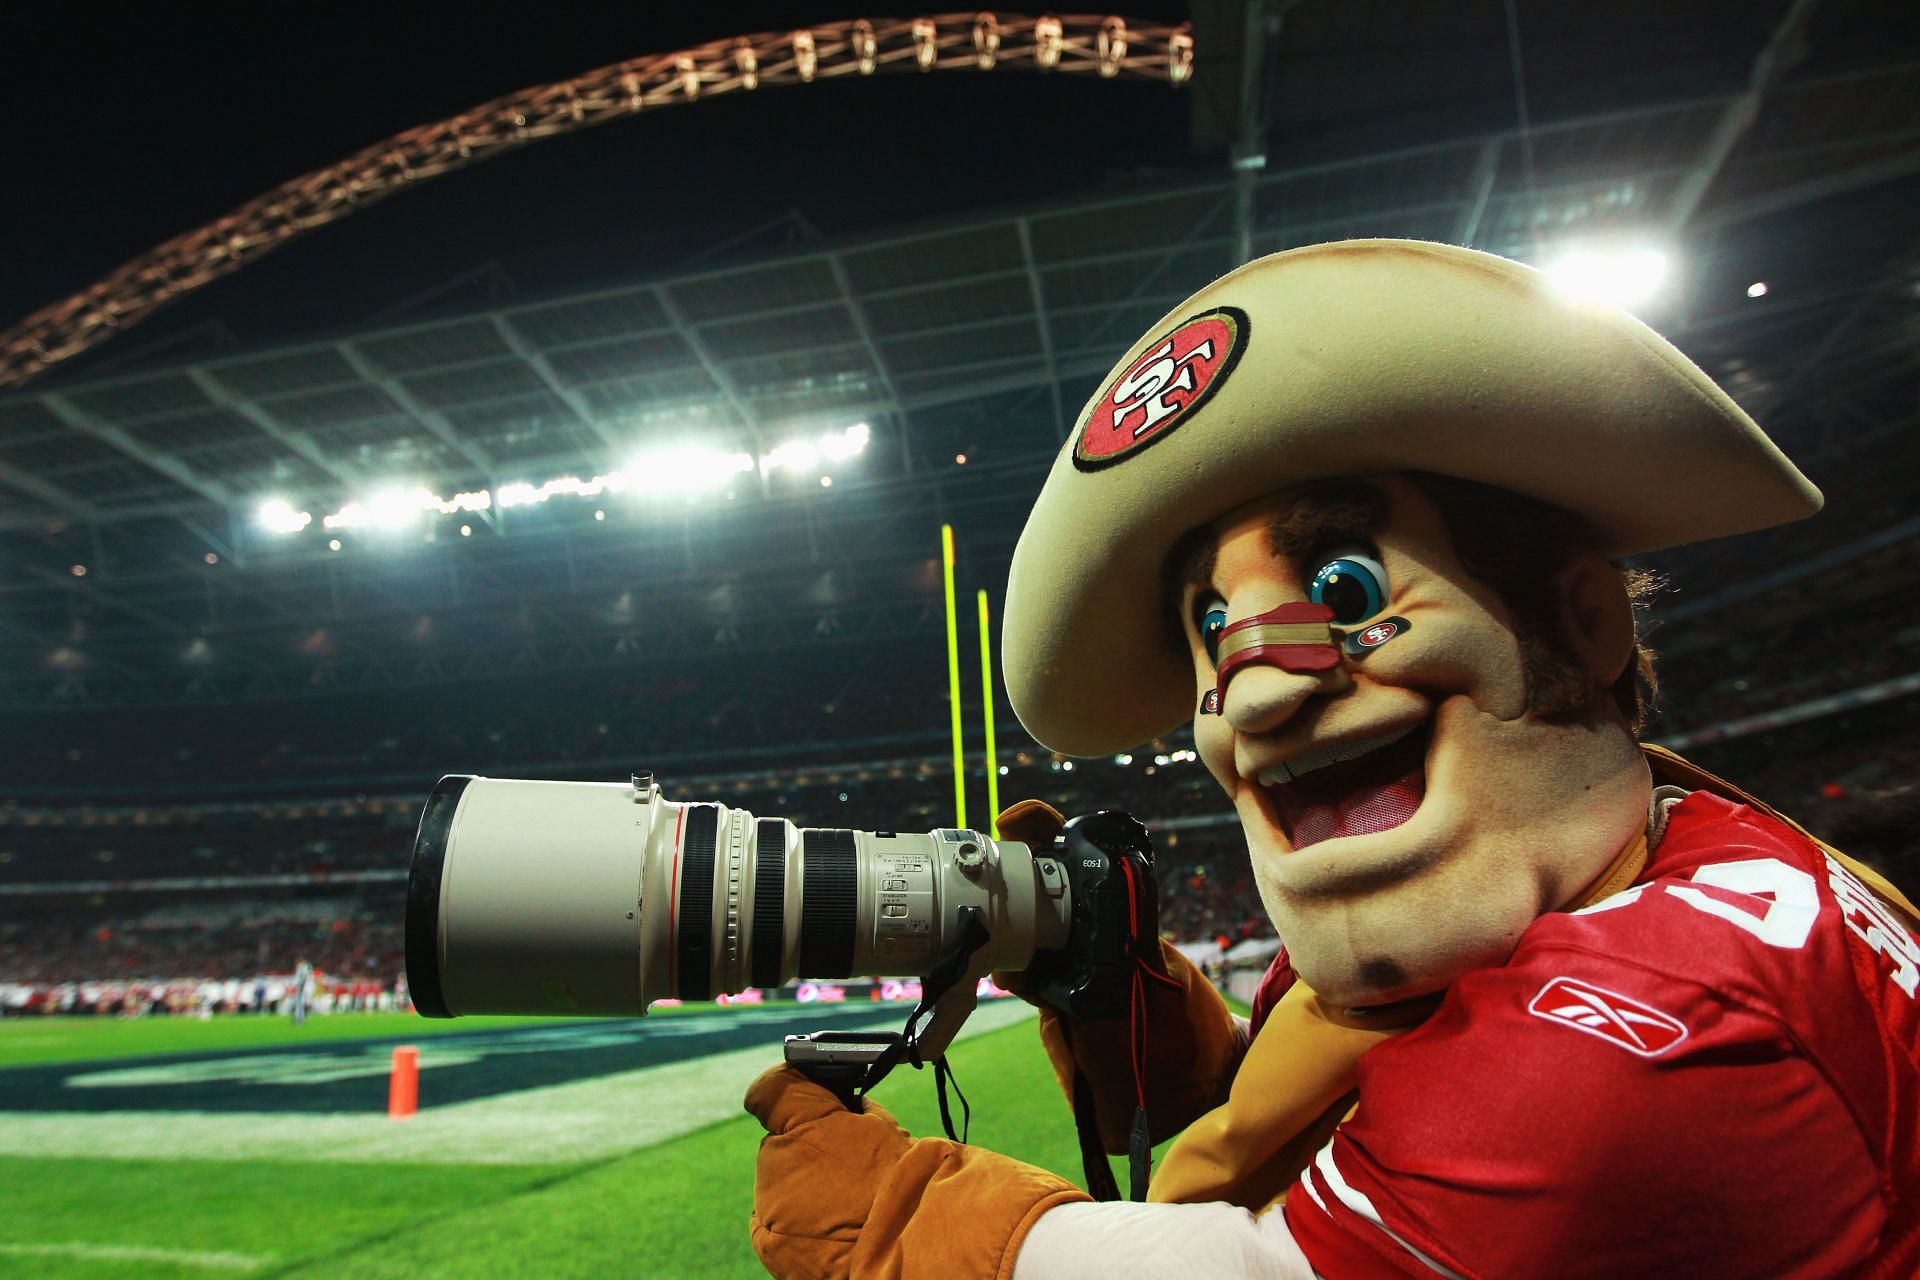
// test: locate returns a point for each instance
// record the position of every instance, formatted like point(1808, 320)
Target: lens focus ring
point(829, 877)
point(696, 902)
point(768, 942)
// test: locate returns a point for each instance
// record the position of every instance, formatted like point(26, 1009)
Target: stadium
point(693, 436)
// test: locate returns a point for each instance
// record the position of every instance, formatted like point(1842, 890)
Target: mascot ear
point(1596, 617)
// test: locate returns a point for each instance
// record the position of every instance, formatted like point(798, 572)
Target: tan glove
point(1193, 1042)
point(842, 1195)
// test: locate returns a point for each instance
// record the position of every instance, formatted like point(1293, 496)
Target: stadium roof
point(975, 336)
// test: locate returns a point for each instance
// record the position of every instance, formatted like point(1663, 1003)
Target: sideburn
point(1516, 545)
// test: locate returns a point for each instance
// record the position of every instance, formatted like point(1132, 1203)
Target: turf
point(275, 1212)
point(55, 1039)
point(678, 1209)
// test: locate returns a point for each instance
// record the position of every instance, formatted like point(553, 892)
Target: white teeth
point(1320, 757)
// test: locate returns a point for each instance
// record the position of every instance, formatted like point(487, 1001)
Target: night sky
point(130, 125)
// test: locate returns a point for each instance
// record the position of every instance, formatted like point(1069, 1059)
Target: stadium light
point(276, 515)
point(677, 469)
point(839, 446)
point(807, 455)
point(387, 509)
point(1625, 277)
point(793, 455)
point(687, 468)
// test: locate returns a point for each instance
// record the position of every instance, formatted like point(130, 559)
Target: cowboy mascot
point(1552, 1002)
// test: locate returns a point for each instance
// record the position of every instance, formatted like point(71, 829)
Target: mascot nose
point(1296, 637)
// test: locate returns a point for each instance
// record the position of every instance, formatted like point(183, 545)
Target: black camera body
point(1108, 858)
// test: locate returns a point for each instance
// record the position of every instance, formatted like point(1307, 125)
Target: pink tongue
point(1365, 808)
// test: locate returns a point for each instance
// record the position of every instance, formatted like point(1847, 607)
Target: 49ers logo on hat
point(1161, 389)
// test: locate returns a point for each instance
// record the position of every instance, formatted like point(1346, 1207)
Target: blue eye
point(1212, 623)
point(1353, 583)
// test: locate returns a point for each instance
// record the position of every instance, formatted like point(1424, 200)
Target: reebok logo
point(1636, 1027)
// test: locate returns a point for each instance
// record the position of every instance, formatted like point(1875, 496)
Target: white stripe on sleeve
point(1356, 1200)
point(1120, 1238)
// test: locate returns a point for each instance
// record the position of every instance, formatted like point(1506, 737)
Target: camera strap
point(905, 1047)
point(1093, 1156)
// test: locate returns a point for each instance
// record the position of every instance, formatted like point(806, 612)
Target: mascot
point(1552, 1003)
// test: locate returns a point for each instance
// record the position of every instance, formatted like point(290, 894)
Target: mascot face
point(1407, 814)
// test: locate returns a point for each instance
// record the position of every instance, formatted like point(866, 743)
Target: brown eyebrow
point(1331, 511)
point(1336, 511)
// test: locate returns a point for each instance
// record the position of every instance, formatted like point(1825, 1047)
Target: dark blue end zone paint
point(292, 1077)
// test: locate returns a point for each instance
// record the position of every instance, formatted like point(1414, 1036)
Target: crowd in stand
point(1828, 630)
point(1837, 776)
point(1771, 658)
point(852, 742)
point(311, 840)
point(704, 714)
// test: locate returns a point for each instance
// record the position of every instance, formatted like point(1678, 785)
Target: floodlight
point(838, 446)
point(276, 515)
point(387, 509)
point(396, 508)
point(687, 468)
point(793, 455)
point(1758, 289)
point(1625, 277)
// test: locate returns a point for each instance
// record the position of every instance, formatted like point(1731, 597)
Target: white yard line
point(581, 1120)
point(137, 1253)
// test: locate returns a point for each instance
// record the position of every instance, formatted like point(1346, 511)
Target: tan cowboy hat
point(1354, 358)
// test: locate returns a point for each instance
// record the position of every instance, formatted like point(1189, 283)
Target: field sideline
point(613, 1171)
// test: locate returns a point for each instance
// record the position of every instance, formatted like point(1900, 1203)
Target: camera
point(595, 898)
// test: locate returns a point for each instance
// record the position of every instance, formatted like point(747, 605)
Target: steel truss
point(1076, 45)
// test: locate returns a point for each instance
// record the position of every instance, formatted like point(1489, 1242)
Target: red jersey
point(1711, 1073)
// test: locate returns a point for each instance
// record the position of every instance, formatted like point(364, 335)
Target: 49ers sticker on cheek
point(1161, 389)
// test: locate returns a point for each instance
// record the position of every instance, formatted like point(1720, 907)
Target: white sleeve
point(1117, 1239)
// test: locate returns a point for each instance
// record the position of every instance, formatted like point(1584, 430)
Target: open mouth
point(1350, 789)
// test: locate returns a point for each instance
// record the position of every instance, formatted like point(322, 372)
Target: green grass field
point(676, 1208)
